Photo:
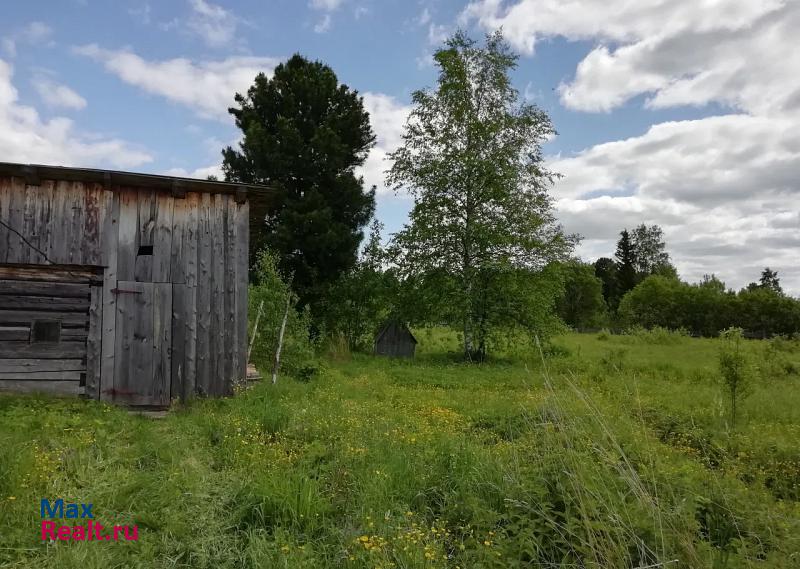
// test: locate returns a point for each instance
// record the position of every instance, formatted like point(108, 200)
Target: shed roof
point(394, 323)
point(33, 173)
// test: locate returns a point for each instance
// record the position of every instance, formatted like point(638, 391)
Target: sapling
point(733, 367)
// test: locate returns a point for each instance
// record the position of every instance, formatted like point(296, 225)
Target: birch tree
point(482, 228)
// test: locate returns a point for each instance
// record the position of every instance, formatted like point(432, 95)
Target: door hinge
point(124, 291)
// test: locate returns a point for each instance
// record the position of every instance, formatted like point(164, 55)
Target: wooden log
point(32, 386)
point(15, 333)
point(46, 289)
point(36, 365)
point(49, 273)
point(22, 317)
point(44, 303)
point(43, 375)
point(50, 350)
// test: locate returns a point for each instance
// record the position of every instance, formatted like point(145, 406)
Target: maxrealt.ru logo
point(91, 531)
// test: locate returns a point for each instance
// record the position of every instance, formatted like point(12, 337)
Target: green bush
point(271, 291)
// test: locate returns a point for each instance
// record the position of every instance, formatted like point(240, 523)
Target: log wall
point(150, 284)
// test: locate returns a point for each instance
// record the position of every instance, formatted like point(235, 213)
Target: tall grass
point(550, 458)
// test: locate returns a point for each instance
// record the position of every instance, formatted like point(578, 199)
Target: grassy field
point(604, 451)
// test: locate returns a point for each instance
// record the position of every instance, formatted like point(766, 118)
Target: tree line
point(482, 250)
point(641, 287)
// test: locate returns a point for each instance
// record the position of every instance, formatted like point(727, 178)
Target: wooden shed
point(396, 340)
point(130, 288)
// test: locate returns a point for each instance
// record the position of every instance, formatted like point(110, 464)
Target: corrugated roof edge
point(33, 173)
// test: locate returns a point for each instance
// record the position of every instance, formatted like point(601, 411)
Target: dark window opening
point(145, 250)
point(46, 331)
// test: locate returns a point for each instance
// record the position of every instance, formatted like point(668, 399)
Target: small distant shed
point(395, 340)
point(130, 288)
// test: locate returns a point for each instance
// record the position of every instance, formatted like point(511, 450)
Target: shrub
point(272, 289)
point(733, 366)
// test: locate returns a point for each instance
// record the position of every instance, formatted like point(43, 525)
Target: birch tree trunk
point(277, 362)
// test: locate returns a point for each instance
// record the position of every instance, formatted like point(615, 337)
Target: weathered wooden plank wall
point(183, 329)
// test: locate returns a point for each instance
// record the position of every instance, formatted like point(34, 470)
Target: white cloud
point(424, 18)
point(387, 117)
point(56, 95)
point(721, 187)
point(207, 88)
point(32, 34)
point(25, 137)
point(326, 5)
point(725, 189)
point(323, 25)
point(213, 24)
point(142, 13)
point(200, 173)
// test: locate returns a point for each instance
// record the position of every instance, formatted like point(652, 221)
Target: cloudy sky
point(684, 113)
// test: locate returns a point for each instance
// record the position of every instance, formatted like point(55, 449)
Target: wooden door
point(142, 367)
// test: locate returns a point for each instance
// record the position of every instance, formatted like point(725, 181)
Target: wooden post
point(255, 330)
point(277, 362)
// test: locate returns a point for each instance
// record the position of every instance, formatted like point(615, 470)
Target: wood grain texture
point(60, 350)
point(43, 303)
point(109, 254)
point(54, 387)
point(203, 297)
point(5, 213)
point(127, 244)
point(162, 344)
point(48, 273)
point(94, 348)
point(22, 317)
point(162, 237)
point(242, 224)
point(147, 206)
point(217, 330)
point(35, 365)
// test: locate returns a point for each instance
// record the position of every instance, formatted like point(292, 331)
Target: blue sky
point(659, 119)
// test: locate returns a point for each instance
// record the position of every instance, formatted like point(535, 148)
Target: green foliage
point(734, 368)
point(429, 464)
point(626, 262)
point(605, 269)
point(363, 298)
point(769, 280)
point(650, 252)
point(482, 229)
point(707, 308)
point(271, 289)
point(656, 335)
point(582, 304)
point(304, 133)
